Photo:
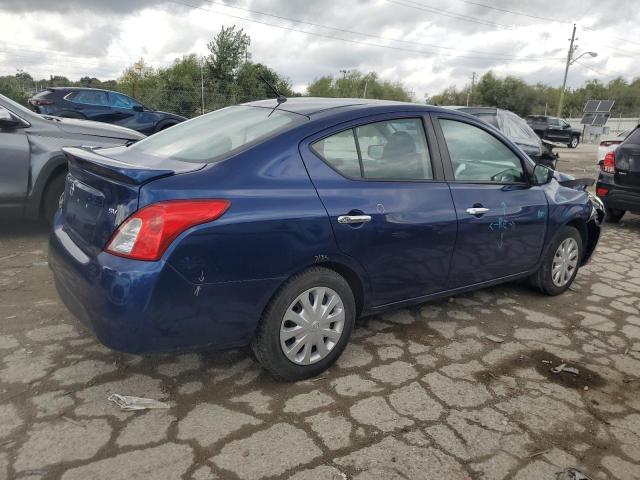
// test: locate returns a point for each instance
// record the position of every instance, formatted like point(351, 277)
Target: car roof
point(313, 105)
point(472, 110)
point(80, 88)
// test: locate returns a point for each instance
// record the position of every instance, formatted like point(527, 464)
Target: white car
point(610, 143)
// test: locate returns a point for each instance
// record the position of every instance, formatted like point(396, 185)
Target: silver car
point(32, 166)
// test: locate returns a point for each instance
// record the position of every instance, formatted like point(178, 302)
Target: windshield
point(15, 107)
point(516, 129)
point(212, 137)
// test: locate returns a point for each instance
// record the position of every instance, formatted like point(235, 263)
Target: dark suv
point(555, 130)
point(618, 183)
point(102, 106)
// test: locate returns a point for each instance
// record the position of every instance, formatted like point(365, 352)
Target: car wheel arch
point(580, 225)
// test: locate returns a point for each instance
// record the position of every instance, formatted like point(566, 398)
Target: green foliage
point(229, 50)
point(514, 94)
point(355, 84)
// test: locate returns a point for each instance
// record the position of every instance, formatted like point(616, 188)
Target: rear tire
point(564, 250)
point(574, 142)
point(297, 299)
point(52, 195)
point(613, 215)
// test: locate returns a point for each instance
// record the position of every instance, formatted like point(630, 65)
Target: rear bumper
point(139, 307)
point(619, 197)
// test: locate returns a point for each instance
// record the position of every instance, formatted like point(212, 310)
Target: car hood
point(96, 129)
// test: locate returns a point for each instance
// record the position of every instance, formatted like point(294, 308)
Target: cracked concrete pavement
point(420, 393)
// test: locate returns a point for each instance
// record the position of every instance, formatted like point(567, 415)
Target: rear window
point(634, 137)
point(216, 135)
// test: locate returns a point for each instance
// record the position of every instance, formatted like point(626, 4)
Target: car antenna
point(279, 97)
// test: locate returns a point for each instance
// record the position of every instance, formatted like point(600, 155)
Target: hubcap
point(565, 262)
point(574, 142)
point(312, 325)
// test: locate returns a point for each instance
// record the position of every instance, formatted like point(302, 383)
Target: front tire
point(306, 326)
point(613, 215)
point(574, 142)
point(52, 195)
point(560, 262)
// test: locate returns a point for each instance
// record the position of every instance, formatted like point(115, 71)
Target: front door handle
point(477, 210)
point(348, 219)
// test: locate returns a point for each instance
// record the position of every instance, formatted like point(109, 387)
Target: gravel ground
point(420, 393)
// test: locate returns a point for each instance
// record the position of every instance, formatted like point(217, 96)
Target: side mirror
point(7, 120)
point(138, 108)
point(541, 174)
point(375, 151)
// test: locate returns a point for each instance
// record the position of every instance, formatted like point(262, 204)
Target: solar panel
point(600, 119)
point(605, 106)
point(595, 119)
point(591, 106)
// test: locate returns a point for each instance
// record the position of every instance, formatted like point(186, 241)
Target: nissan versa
point(276, 225)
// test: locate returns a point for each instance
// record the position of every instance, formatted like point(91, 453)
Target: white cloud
point(97, 38)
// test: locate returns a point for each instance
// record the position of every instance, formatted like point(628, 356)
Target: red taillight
point(41, 101)
point(146, 234)
point(608, 165)
point(602, 192)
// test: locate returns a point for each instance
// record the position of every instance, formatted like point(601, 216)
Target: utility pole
point(473, 84)
point(202, 86)
point(566, 70)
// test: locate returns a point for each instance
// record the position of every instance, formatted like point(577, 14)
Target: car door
point(501, 217)
point(382, 185)
point(131, 114)
point(564, 134)
point(91, 104)
point(554, 130)
point(14, 163)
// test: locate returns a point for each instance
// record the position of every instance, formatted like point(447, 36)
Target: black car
point(102, 106)
point(516, 130)
point(618, 183)
point(555, 130)
point(32, 166)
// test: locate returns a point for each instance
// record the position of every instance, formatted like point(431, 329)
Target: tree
point(229, 49)
point(355, 84)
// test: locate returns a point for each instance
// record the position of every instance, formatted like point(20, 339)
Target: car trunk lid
point(102, 190)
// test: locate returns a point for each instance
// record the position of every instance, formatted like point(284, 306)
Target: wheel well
point(581, 226)
point(352, 279)
point(59, 170)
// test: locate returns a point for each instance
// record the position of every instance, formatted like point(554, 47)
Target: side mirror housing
point(138, 108)
point(541, 174)
point(8, 120)
point(375, 151)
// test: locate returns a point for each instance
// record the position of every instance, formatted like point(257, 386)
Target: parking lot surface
point(420, 393)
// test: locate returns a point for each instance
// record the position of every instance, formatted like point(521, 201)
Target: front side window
point(389, 150)
point(216, 135)
point(89, 97)
point(117, 100)
point(554, 122)
point(477, 156)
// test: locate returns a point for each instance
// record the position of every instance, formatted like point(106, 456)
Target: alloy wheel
point(312, 325)
point(565, 261)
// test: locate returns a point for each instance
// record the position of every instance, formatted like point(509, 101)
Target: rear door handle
point(348, 219)
point(477, 210)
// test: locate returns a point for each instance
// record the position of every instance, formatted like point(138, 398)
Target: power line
point(610, 74)
point(350, 40)
point(450, 14)
point(512, 12)
point(364, 34)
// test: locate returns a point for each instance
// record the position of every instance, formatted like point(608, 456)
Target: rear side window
point(117, 100)
point(477, 156)
point(89, 97)
point(340, 151)
point(389, 150)
point(217, 135)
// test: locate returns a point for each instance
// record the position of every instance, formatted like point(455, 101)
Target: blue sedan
point(276, 225)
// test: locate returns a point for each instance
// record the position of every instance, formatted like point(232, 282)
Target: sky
point(427, 45)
